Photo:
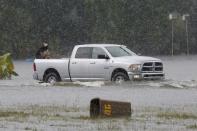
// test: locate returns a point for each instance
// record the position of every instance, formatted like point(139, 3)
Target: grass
point(176, 115)
point(56, 114)
point(110, 126)
point(30, 129)
point(19, 116)
point(192, 126)
point(13, 114)
point(44, 113)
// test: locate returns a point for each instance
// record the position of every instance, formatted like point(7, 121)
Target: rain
point(164, 29)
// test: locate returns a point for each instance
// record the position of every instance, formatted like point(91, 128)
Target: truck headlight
point(135, 67)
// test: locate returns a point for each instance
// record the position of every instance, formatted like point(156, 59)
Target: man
point(43, 52)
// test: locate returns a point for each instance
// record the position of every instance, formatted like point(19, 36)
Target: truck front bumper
point(145, 76)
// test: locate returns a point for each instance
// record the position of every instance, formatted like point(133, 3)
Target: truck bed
point(61, 65)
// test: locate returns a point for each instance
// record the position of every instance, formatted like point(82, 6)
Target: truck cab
point(102, 62)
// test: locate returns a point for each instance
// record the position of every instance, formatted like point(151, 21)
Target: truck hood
point(136, 59)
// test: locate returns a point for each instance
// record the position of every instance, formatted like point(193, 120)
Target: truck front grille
point(152, 67)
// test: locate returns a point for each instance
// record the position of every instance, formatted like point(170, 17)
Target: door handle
point(74, 62)
point(93, 63)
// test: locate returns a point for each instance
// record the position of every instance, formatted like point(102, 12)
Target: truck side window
point(97, 51)
point(84, 53)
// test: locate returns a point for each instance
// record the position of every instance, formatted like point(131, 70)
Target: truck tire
point(51, 77)
point(120, 77)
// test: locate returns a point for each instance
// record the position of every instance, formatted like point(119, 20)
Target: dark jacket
point(40, 51)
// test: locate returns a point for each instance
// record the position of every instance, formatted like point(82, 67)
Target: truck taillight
point(34, 67)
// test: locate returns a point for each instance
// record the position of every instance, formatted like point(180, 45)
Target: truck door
point(99, 67)
point(79, 69)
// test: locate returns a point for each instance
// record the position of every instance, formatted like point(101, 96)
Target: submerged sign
point(108, 108)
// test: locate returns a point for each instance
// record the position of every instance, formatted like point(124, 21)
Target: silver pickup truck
point(99, 62)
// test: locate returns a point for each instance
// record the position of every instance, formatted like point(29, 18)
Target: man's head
point(45, 44)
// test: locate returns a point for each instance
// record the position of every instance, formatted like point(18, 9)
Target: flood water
point(177, 93)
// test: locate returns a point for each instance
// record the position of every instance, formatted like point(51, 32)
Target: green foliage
point(142, 25)
point(176, 115)
point(192, 126)
point(6, 67)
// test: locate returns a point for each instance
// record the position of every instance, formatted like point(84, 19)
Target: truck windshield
point(119, 51)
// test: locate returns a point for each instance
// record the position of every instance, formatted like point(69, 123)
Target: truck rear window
point(84, 52)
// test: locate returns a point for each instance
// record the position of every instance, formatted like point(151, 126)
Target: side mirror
point(103, 57)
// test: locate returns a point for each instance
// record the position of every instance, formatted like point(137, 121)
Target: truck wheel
point(120, 77)
point(51, 77)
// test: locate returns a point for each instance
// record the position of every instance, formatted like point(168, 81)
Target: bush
point(6, 67)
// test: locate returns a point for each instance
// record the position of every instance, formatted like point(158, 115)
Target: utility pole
point(172, 48)
point(184, 18)
point(172, 17)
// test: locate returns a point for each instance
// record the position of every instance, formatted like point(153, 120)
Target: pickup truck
point(88, 62)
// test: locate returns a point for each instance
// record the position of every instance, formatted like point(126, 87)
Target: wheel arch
point(118, 70)
point(51, 70)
